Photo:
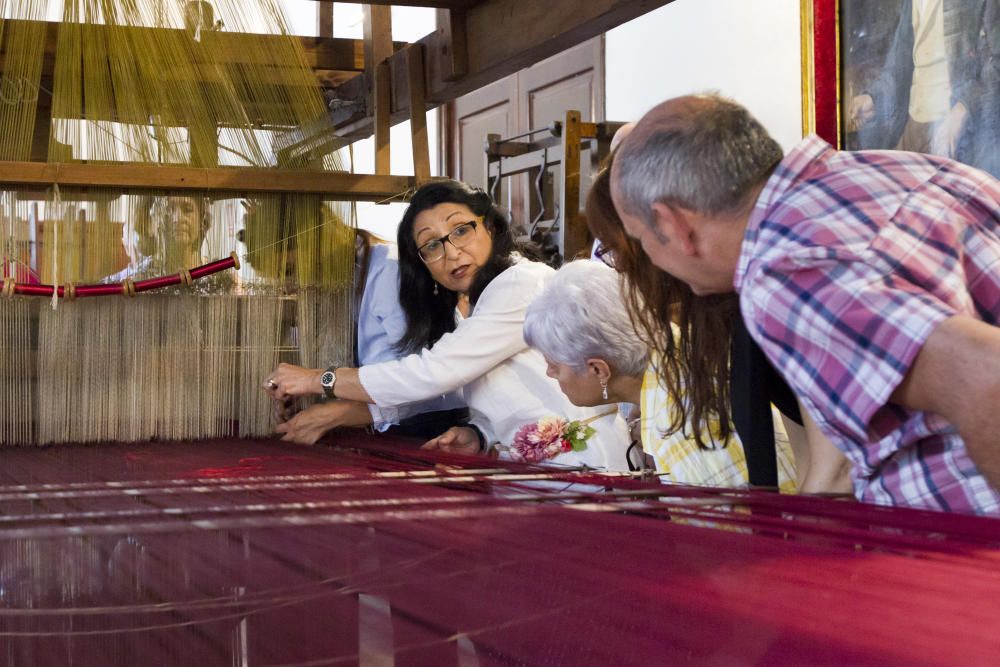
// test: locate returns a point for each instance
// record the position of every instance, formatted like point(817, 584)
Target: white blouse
point(503, 380)
point(381, 324)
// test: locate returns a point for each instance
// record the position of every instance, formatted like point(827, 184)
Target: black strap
point(754, 385)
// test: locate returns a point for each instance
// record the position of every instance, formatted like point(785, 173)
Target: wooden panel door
point(489, 110)
point(530, 99)
point(573, 80)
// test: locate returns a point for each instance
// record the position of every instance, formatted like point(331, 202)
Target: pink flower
point(551, 436)
point(551, 429)
point(542, 440)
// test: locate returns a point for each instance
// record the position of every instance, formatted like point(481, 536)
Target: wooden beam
point(575, 235)
point(440, 4)
point(336, 185)
point(381, 112)
point(378, 47)
point(418, 114)
point(324, 18)
point(230, 48)
point(454, 44)
point(505, 36)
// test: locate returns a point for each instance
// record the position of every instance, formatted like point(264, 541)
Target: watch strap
point(328, 388)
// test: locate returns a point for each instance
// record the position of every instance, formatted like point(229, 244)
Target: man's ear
point(672, 225)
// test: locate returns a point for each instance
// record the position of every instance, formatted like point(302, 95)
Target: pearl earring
point(435, 289)
point(604, 389)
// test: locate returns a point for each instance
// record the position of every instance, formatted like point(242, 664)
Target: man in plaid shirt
point(871, 280)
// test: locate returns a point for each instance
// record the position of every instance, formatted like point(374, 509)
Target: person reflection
point(170, 232)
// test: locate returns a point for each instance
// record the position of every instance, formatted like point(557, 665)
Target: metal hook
point(539, 193)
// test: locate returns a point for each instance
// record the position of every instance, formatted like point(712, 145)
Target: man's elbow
point(957, 375)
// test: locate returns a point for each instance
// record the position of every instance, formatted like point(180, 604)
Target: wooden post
point(454, 44)
point(575, 235)
point(324, 19)
point(43, 130)
point(418, 113)
point(378, 48)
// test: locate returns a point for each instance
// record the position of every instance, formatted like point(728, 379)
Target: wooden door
point(531, 99)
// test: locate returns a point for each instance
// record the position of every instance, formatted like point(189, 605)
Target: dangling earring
point(435, 289)
point(604, 389)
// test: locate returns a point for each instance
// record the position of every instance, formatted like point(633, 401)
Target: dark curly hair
point(430, 316)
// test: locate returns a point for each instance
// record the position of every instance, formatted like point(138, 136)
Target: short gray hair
point(703, 153)
point(580, 315)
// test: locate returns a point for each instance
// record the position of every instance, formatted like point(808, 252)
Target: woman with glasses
point(272, 250)
point(464, 288)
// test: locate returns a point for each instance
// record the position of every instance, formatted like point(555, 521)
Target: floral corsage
point(551, 436)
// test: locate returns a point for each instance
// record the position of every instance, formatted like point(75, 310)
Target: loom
point(176, 220)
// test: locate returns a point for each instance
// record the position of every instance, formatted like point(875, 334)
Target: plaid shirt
point(849, 262)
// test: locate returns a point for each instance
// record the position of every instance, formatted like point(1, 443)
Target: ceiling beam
point(504, 36)
point(230, 48)
point(440, 4)
point(335, 185)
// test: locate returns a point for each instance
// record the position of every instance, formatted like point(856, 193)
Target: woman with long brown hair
point(708, 367)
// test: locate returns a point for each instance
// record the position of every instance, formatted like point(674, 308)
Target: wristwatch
point(327, 380)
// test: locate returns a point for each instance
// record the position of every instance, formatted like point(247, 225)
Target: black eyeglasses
point(461, 236)
point(604, 254)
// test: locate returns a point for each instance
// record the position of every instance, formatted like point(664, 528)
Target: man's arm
point(829, 470)
point(819, 466)
point(957, 375)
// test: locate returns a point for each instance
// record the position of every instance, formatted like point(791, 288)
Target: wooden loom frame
point(375, 83)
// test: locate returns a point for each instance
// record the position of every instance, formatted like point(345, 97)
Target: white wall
point(748, 50)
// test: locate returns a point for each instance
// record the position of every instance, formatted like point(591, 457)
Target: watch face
point(326, 379)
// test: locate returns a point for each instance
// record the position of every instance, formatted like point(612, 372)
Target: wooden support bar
point(378, 47)
point(377, 34)
point(324, 18)
point(440, 4)
point(520, 164)
point(336, 185)
point(576, 236)
point(229, 48)
point(382, 96)
point(454, 44)
point(418, 114)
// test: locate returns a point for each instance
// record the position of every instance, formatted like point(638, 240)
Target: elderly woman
point(464, 288)
point(581, 326)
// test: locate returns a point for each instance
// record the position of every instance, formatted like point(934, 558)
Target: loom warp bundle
point(168, 83)
point(262, 553)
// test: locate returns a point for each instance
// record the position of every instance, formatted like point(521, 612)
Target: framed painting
point(919, 75)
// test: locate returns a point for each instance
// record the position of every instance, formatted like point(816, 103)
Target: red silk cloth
point(261, 553)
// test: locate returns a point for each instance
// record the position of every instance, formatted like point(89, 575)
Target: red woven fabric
point(265, 554)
